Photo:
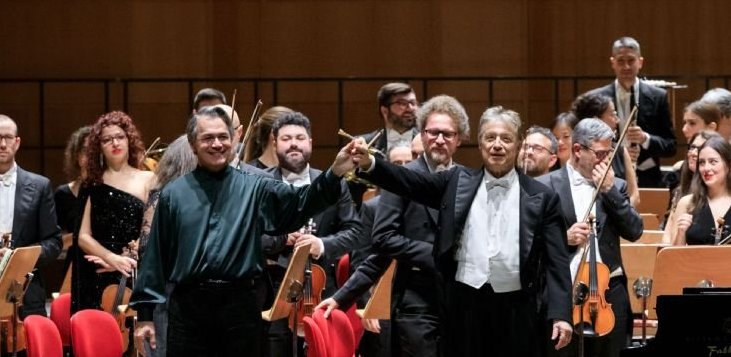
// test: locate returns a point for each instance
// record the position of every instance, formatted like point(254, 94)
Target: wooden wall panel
point(325, 38)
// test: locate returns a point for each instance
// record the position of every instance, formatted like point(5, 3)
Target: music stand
point(379, 305)
point(13, 283)
point(679, 267)
point(281, 308)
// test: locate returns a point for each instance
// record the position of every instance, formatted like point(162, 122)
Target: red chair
point(337, 332)
point(95, 333)
point(355, 323)
point(41, 337)
point(61, 316)
point(313, 337)
point(343, 271)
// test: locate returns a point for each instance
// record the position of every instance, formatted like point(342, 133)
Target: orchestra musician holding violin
point(576, 184)
point(336, 231)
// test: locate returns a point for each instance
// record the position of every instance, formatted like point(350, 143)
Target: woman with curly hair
point(117, 192)
point(67, 194)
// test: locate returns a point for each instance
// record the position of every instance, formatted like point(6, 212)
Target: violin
point(6, 335)
point(314, 284)
point(115, 299)
point(593, 312)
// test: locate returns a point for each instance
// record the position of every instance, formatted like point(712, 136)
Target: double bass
point(314, 284)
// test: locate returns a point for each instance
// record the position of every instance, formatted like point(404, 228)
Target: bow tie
point(501, 182)
point(6, 179)
point(395, 138)
point(581, 180)
point(295, 178)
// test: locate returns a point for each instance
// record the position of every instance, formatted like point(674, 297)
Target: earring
point(101, 160)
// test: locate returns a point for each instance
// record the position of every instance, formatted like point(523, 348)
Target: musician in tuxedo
point(28, 213)
point(653, 135)
point(337, 228)
point(500, 244)
point(397, 107)
point(615, 217)
point(405, 230)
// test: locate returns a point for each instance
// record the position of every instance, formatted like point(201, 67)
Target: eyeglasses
point(538, 149)
point(434, 133)
point(8, 138)
point(106, 140)
point(405, 103)
point(209, 140)
point(600, 154)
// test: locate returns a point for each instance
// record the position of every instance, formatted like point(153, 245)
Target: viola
point(6, 335)
point(594, 312)
point(314, 284)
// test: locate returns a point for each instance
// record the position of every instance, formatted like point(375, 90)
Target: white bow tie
point(7, 179)
point(393, 136)
point(295, 178)
point(581, 180)
point(501, 182)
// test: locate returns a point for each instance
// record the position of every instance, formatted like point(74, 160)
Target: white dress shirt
point(582, 190)
point(8, 184)
point(489, 250)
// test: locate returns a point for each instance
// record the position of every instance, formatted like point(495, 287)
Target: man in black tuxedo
point(337, 228)
point(405, 230)
point(397, 107)
point(653, 135)
point(615, 218)
point(500, 245)
point(27, 212)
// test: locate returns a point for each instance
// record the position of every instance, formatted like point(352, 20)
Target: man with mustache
point(337, 228)
point(538, 152)
point(397, 105)
point(405, 230)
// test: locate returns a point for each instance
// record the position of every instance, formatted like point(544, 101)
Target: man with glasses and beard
point(397, 107)
point(538, 153)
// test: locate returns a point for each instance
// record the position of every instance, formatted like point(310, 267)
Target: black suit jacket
point(34, 223)
point(338, 226)
point(615, 217)
point(403, 230)
point(543, 247)
point(654, 118)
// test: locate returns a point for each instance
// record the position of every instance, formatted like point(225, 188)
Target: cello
point(314, 284)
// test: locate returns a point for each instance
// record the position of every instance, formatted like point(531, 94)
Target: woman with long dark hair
point(703, 216)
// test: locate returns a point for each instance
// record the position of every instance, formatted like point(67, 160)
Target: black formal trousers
point(214, 319)
point(492, 324)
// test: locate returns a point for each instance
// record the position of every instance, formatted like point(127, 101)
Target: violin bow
point(595, 194)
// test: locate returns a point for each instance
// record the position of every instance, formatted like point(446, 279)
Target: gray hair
point(721, 97)
point(498, 113)
point(213, 112)
point(589, 130)
point(545, 132)
point(444, 104)
point(626, 42)
point(177, 161)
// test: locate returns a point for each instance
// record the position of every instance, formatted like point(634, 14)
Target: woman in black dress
point(117, 192)
point(704, 215)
